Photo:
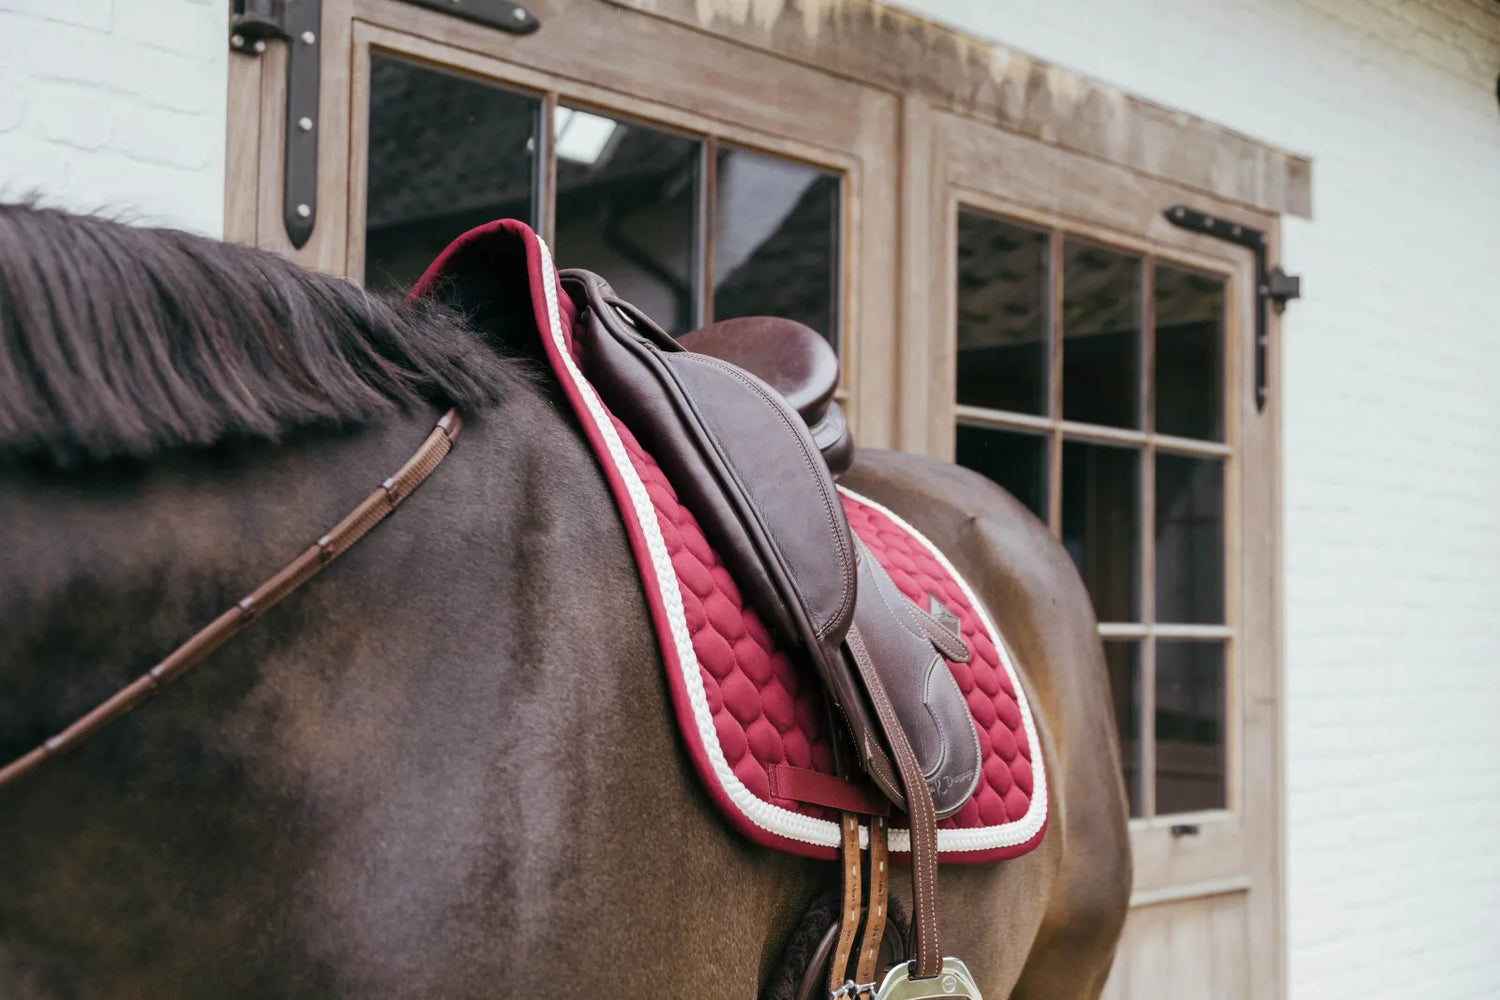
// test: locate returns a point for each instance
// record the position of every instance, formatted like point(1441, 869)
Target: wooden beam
point(876, 44)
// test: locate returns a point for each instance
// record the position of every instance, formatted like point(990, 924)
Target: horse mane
point(118, 342)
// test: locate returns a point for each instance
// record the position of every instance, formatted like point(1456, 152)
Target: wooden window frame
point(1147, 443)
point(1239, 849)
point(616, 62)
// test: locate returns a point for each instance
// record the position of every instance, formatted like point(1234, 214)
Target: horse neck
point(448, 757)
point(114, 567)
point(238, 808)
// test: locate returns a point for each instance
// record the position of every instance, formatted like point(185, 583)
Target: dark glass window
point(1101, 335)
point(1017, 461)
point(446, 153)
point(1123, 660)
point(627, 205)
point(1189, 310)
point(776, 240)
point(1119, 387)
point(1189, 539)
point(1191, 739)
point(1101, 524)
point(1002, 314)
point(628, 200)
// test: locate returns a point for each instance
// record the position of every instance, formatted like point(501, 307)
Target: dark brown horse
point(448, 766)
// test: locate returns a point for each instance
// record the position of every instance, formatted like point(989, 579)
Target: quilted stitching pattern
point(1004, 790)
point(767, 709)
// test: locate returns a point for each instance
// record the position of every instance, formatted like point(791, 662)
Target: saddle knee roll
point(908, 650)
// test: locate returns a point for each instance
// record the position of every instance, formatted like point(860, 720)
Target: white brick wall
point(116, 105)
point(1392, 446)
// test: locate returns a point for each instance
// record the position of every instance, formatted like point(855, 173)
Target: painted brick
point(48, 49)
point(96, 14)
point(116, 106)
point(33, 167)
point(176, 82)
point(72, 114)
point(1391, 456)
point(12, 102)
point(155, 135)
point(164, 24)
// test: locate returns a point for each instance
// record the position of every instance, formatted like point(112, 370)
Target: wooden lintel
point(879, 45)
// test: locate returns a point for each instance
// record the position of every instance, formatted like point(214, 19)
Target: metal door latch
point(255, 24)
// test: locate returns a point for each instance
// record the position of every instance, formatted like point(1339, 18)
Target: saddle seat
point(794, 360)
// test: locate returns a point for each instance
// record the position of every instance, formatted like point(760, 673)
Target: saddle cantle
point(794, 360)
point(749, 467)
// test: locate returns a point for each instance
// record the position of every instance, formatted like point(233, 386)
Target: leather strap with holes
point(849, 852)
point(875, 915)
point(294, 574)
point(920, 812)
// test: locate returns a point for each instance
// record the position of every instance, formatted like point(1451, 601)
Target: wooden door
point(710, 179)
point(1098, 362)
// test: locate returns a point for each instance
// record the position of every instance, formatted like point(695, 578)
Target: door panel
point(1094, 359)
point(1195, 949)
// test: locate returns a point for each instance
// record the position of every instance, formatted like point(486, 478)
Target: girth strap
point(924, 860)
point(355, 525)
point(849, 855)
point(875, 914)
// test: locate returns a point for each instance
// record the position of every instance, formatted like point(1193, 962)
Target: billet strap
point(944, 629)
point(801, 784)
point(294, 574)
point(875, 914)
point(849, 854)
point(919, 809)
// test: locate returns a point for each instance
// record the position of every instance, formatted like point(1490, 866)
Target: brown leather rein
point(294, 574)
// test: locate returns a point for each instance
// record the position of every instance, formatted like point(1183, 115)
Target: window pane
point(1189, 354)
point(1101, 335)
point(627, 203)
point(776, 240)
point(446, 153)
point(1123, 660)
point(1017, 461)
point(1189, 539)
point(1190, 726)
point(1101, 524)
point(1002, 314)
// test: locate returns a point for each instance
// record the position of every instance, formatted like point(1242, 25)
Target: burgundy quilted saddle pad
point(752, 718)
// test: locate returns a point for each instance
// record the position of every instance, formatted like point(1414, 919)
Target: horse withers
point(448, 765)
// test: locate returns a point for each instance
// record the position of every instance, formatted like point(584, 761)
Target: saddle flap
point(741, 459)
point(906, 649)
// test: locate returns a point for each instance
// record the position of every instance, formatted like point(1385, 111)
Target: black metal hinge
point(253, 24)
point(502, 14)
point(1272, 284)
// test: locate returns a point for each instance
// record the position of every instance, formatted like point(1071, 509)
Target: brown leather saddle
point(741, 417)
